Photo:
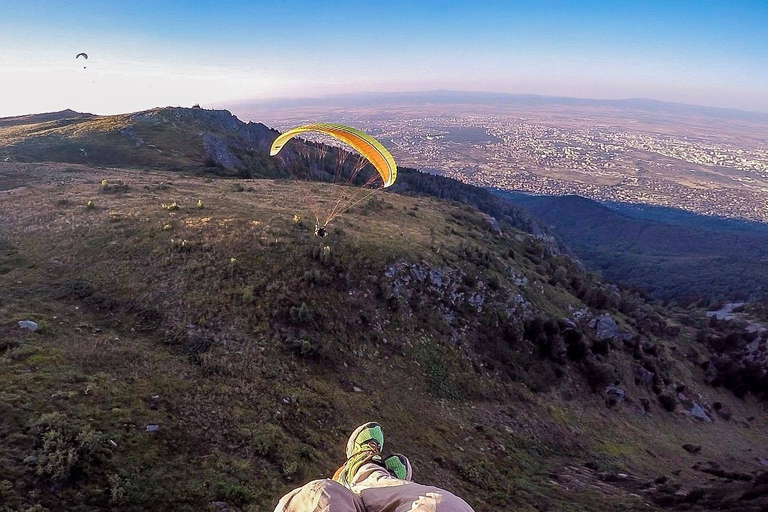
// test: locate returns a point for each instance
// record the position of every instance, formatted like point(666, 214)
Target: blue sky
point(149, 53)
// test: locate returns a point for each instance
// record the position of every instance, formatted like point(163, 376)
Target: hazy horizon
point(145, 54)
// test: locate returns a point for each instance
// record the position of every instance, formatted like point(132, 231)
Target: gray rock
point(436, 278)
point(615, 394)
point(606, 328)
point(578, 314)
point(476, 301)
point(418, 274)
point(153, 427)
point(643, 376)
point(493, 225)
point(698, 411)
point(28, 325)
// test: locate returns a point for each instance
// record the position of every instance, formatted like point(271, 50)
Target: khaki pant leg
point(382, 492)
point(412, 497)
point(320, 496)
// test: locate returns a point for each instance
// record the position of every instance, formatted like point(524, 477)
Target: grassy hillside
point(683, 257)
point(188, 355)
point(161, 138)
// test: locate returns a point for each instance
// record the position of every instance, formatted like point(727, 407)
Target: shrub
point(170, 207)
point(598, 375)
point(325, 255)
point(301, 314)
point(113, 188)
point(62, 448)
point(668, 402)
point(576, 346)
point(601, 347)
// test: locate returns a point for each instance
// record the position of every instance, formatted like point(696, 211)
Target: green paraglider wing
point(363, 143)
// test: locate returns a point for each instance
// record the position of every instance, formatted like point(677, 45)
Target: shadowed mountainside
point(671, 254)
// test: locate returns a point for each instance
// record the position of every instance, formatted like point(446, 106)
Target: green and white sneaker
point(399, 466)
point(366, 437)
point(364, 445)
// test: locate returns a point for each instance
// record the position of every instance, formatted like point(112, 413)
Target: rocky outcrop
point(606, 328)
point(218, 153)
point(226, 141)
point(698, 412)
point(448, 290)
point(130, 133)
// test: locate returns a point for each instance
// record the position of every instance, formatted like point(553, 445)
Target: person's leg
point(320, 496)
point(382, 492)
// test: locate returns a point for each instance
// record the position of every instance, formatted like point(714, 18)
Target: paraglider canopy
point(363, 143)
point(84, 55)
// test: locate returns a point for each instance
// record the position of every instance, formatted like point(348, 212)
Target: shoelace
point(348, 470)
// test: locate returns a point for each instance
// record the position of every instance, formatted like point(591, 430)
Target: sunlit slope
point(205, 310)
point(167, 138)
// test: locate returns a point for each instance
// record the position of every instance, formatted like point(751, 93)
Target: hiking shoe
point(366, 437)
point(364, 446)
point(399, 466)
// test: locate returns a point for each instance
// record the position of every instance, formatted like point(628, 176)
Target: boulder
point(614, 395)
point(606, 328)
point(698, 411)
point(493, 225)
point(28, 325)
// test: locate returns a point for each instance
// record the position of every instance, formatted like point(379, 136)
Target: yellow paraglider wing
point(363, 143)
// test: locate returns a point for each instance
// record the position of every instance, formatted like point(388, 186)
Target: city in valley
point(707, 161)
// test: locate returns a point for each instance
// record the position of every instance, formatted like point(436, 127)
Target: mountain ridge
point(451, 96)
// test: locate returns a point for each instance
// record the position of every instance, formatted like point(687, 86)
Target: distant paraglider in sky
point(373, 169)
point(84, 55)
